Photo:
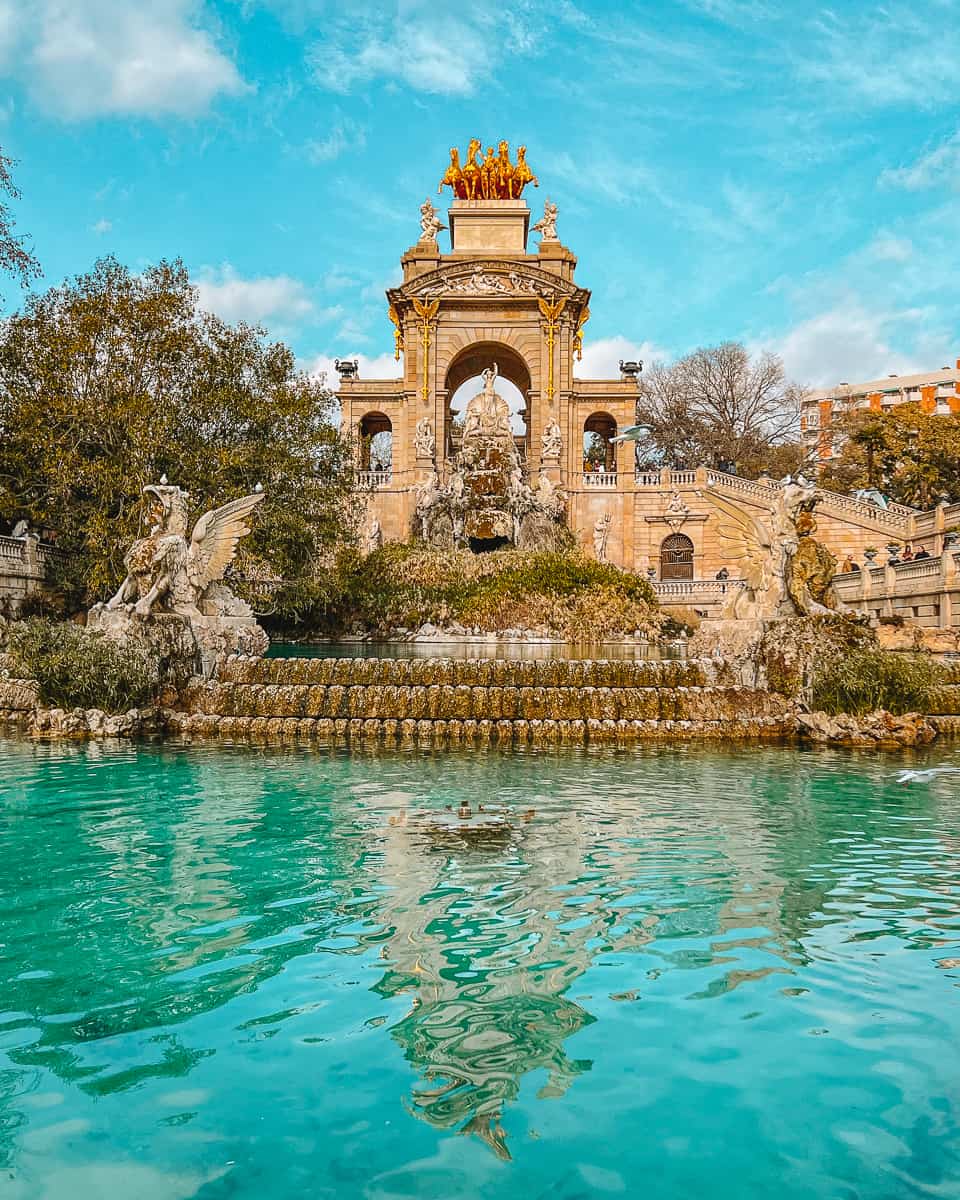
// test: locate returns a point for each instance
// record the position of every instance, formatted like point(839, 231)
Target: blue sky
point(787, 174)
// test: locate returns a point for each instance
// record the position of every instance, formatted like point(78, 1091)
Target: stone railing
point(599, 479)
point(23, 563)
point(925, 592)
point(696, 589)
point(373, 479)
point(647, 478)
point(894, 516)
point(749, 487)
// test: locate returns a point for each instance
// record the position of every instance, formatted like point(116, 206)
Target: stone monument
point(173, 600)
point(487, 501)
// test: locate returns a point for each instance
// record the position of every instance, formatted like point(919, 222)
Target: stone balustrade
point(924, 593)
point(600, 479)
point(372, 480)
point(23, 565)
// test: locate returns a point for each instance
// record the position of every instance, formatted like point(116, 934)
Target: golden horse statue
point(471, 170)
point(488, 176)
point(505, 172)
point(522, 175)
point(453, 177)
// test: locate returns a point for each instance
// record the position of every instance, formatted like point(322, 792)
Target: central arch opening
point(464, 381)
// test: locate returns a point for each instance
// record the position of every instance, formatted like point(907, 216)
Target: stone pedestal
point(183, 645)
point(489, 226)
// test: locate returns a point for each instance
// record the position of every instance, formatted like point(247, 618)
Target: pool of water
point(618, 651)
point(669, 973)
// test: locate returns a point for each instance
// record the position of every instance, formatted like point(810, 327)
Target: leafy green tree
point(112, 380)
point(15, 258)
point(912, 456)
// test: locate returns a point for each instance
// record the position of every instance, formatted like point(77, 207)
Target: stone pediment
point(488, 279)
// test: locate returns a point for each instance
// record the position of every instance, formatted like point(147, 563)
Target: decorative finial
point(163, 480)
point(258, 487)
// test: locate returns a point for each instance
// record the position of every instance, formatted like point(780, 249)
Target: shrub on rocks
point(77, 668)
point(869, 679)
point(559, 592)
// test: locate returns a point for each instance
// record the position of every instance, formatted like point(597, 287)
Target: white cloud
point(892, 55)
point(87, 58)
point(601, 358)
point(938, 166)
point(887, 247)
point(344, 135)
point(277, 301)
point(101, 227)
point(846, 343)
point(425, 47)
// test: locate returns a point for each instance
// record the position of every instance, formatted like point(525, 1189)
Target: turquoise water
point(240, 973)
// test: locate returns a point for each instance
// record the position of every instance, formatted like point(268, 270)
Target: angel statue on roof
point(166, 572)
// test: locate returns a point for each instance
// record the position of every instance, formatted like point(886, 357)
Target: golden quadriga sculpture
point(173, 599)
point(493, 177)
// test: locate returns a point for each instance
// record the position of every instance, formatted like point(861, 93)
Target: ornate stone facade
point(493, 299)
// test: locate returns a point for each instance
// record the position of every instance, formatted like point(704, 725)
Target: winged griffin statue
point(787, 572)
point(167, 572)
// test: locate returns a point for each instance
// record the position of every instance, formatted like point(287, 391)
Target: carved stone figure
point(424, 443)
point(372, 538)
point(782, 574)
point(601, 532)
point(676, 511)
point(487, 414)
point(550, 498)
point(430, 223)
point(547, 225)
point(427, 493)
point(551, 440)
point(167, 572)
point(173, 601)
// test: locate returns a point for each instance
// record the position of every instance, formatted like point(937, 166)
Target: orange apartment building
point(934, 391)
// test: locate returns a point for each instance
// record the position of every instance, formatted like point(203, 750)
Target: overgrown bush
point(868, 679)
point(77, 668)
point(404, 586)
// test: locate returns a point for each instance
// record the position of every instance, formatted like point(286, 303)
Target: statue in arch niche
point(487, 414)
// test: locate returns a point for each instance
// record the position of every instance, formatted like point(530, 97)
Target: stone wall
point(22, 571)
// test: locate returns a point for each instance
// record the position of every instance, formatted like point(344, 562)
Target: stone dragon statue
point(168, 572)
point(786, 570)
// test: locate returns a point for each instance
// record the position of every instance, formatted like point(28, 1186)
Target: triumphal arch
point(492, 300)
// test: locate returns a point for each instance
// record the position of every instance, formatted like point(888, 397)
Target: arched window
point(599, 451)
point(375, 451)
point(676, 557)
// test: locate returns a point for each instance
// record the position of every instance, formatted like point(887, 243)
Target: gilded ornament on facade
point(492, 177)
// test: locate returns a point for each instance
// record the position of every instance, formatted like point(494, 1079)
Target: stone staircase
point(469, 701)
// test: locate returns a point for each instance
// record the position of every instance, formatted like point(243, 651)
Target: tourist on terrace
point(922, 552)
point(723, 573)
point(907, 555)
point(846, 566)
